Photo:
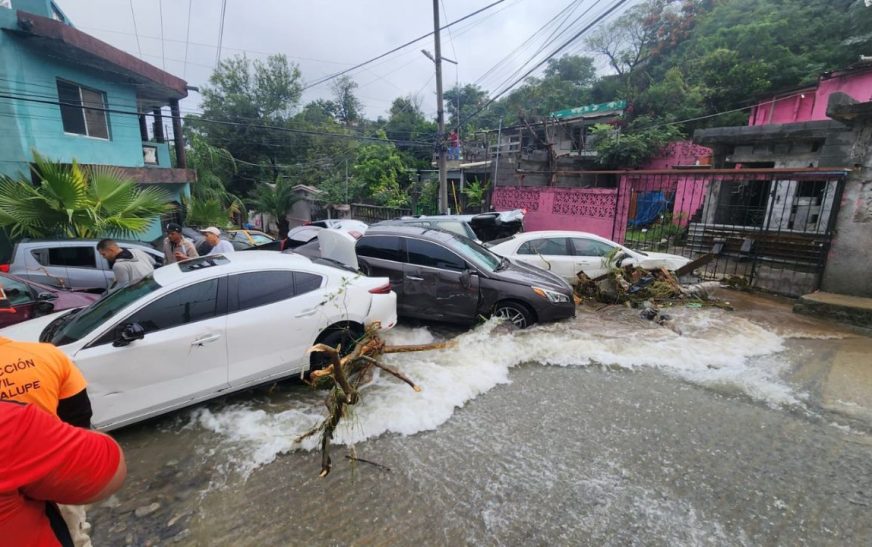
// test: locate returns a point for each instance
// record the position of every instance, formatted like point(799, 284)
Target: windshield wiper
point(49, 331)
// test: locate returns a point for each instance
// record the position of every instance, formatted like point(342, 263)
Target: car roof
point(230, 263)
point(524, 236)
point(412, 231)
point(92, 241)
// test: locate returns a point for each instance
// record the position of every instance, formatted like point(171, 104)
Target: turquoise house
point(70, 96)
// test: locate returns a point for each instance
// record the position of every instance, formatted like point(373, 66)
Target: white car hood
point(29, 331)
point(338, 245)
point(654, 260)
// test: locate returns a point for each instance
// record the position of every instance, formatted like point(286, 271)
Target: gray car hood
point(524, 274)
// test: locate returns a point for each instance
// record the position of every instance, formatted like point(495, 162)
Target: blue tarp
point(649, 206)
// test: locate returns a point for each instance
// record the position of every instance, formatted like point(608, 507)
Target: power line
point(563, 46)
point(135, 32)
point(228, 123)
point(162, 47)
point(221, 31)
point(398, 48)
point(187, 41)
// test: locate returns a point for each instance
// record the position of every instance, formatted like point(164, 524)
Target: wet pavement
point(752, 427)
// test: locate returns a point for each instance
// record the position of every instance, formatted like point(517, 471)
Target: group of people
point(51, 464)
point(131, 265)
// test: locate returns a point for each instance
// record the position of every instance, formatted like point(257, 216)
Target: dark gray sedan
point(442, 276)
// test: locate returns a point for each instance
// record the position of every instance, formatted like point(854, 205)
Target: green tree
point(77, 202)
point(275, 200)
point(348, 108)
point(381, 169)
point(242, 103)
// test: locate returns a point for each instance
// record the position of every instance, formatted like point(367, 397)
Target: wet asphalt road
point(560, 455)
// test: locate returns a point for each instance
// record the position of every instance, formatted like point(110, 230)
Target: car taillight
point(4, 268)
point(384, 289)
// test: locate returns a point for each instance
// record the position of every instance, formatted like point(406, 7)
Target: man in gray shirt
point(177, 247)
point(128, 265)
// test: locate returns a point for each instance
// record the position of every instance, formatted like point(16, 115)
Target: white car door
point(589, 254)
point(549, 253)
point(275, 317)
point(181, 358)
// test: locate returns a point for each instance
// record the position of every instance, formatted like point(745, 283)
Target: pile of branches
point(343, 377)
point(638, 287)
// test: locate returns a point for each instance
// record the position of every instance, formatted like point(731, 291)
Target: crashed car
point(208, 326)
point(566, 253)
point(440, 276)
point(480, 227)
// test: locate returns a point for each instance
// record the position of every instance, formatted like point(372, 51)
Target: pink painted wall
point(811, 104)
point(679, 153)
point(582, 209)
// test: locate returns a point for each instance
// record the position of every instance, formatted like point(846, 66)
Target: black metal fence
point(768, 228)
point(375, 213)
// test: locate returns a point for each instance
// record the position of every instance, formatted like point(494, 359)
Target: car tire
point(515, 312)
point(345, 337)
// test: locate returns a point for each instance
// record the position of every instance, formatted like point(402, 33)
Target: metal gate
point(767, 228)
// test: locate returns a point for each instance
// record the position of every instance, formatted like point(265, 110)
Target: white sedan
point(209, 326)
point(567, 253)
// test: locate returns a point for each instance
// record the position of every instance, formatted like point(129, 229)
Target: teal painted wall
point(28, 72)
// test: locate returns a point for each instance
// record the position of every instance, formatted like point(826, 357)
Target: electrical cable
point(135, 32)
point(220, 31)
point(187, 41)
point(398, 48)
point(162, 43)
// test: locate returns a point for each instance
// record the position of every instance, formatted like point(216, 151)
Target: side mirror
point(464, 279)
point(43, 307)
point(127, 334)
point(46, 296)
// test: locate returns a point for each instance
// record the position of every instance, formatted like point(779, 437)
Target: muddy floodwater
point(751, 427)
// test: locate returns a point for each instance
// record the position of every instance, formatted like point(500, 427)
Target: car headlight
point(552, 296)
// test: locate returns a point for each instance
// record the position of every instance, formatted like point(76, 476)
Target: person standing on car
point(43, 375)
point(129, 265)
point(43, 461)
point(213, 238)
point(176, 247)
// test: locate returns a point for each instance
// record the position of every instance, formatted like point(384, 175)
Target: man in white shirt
point(213, 238)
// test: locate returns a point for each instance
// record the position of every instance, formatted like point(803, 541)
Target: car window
point(475, 253)
point(553, 246)
point(79, 257)
point(424, 253)
point(17, 292)
point(187, 305)
point(306, 282)
point(453, 226)
point(590, 247)
point(384, 247)
point(261, 288)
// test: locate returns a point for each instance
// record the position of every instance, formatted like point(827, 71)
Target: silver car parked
point(67, 263)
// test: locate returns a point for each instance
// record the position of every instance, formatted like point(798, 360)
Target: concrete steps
point(854, 310)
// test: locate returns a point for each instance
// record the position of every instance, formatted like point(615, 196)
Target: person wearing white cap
point(213, 238)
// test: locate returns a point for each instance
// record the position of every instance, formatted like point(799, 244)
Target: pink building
point(810, 103)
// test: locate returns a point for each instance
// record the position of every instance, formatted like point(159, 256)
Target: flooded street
point(749, 428)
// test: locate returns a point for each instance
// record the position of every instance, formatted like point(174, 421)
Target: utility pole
point(440, 115)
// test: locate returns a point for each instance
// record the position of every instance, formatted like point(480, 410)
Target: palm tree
point(77, 202)
point(275, 200)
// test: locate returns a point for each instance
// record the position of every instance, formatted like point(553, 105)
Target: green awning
point(590, 109)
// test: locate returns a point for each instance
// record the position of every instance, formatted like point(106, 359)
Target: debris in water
point(344, 376)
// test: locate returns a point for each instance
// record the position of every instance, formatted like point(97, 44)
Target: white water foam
point(716, 349)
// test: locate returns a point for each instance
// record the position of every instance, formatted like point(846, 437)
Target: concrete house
point(70, 96)
point(827, 127)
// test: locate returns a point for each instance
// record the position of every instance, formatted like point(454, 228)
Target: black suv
point(442, 276)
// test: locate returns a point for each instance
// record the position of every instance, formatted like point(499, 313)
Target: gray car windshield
point(475, 253)
point(75, 326)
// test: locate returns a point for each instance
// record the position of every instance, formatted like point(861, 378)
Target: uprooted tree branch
point(346, 373)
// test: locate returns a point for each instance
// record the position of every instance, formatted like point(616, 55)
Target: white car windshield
point(79, 323)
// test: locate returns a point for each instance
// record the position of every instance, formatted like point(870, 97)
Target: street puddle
point(716, 349)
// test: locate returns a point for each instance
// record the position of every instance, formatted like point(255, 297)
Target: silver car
point(67, 263)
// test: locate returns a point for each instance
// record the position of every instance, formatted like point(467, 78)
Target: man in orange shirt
point(43, 375)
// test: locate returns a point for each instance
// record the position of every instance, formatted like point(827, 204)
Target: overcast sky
point(324, 37)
